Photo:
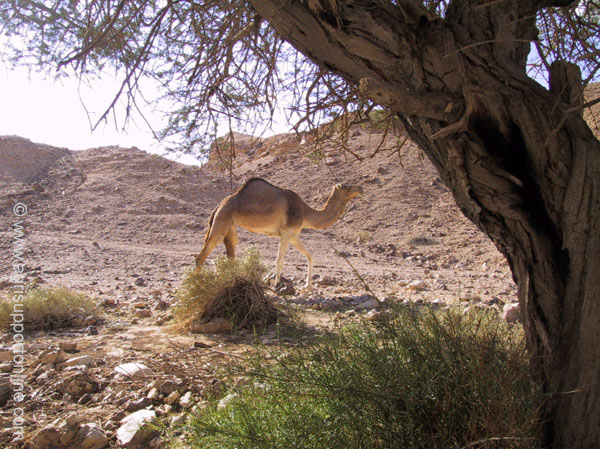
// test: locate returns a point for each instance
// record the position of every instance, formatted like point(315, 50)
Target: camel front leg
point(283, 246)
point(300, 247)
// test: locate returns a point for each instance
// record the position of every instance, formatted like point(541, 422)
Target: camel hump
point(254, 181)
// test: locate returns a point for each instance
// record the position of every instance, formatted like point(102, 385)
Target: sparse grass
point(421, 380)
point(234, 290)
point(422, 241)
point(46, 308)
point(364, 236)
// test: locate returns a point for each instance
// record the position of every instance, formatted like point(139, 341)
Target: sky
point(50, 111)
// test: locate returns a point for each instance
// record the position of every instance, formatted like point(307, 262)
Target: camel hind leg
point(230, 242)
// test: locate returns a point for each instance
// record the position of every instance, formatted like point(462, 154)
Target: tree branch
point(437, 106)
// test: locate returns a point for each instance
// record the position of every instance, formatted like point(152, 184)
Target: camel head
point(346, 192)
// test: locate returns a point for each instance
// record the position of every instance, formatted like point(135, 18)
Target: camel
point(259, 206)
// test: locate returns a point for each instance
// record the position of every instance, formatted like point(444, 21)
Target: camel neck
point(320, 219)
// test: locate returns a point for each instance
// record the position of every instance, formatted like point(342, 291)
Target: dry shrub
point(234, 290)
point(46, 308)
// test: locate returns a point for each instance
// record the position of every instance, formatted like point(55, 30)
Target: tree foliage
point(218, 62)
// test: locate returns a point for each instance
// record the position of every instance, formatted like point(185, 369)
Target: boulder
point(134, 370)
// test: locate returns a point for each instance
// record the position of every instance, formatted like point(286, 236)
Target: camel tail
point(210, 223)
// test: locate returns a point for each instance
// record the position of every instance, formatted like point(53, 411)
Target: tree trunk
point(519, 159)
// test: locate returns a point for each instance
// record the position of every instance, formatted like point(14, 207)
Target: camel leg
point(221, 228)
point(283, 246)
point(208, 247)
point(300, 247)
point(230, 241)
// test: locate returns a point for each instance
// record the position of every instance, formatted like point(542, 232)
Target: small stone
point(5, 354)
point(140, 282)
point(84, 360)
point(68, 345)
point(153, 394)
point(84, 399)
point(326, 281)
point(186, 400)
point(91, 330)
point(177, 420)
point(368, 304)
point(174, 396)
point(142, 313)
point(53, 356)
point(134, 370)
point(418, 284)
point(134, 406)
point(91, 436)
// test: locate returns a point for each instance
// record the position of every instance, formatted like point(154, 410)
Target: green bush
point(420, 380)
point(47, 308)
point(234, 290)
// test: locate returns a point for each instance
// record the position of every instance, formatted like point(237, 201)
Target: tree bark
point(521, 162)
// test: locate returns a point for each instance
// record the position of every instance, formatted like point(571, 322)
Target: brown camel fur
point(261, 207)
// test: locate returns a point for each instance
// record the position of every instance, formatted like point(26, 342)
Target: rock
point(134, 406)
point(46, 438)
point(68, 345)
point(84, 360)
point(91, 330)
point(368, 304)
point(53, 356)
point(84, 399)
point(133, 432)
point(77, 384)
point(418, 284)
point(5, 390)
point(212, 327)
point(134, 370)
point(172, 397)
point(91, 436)
point(153, 394)
point(5, 354)
point(511, 312)
point(177, 420)
point(140, 282)
point(142, 313)
point(326, 281)
point(285, 288)
point(186, 400)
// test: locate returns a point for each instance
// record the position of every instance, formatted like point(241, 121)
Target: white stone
point(84, 360)
point(186, 400)
point(418, 284)
point(134, 369)
point(132, 430)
